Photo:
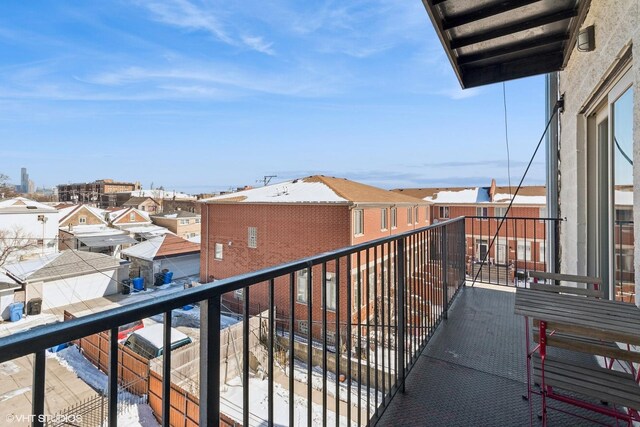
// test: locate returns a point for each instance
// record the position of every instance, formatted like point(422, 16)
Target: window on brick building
point(444, 212)
point(394, 217)
point(330, 295)
point(301, 286)
point(184, 221)
point(500, 212)
point(197, 220)
point(426, 214)
point(82, 220)
point(253, 237)
point(482, 212)
point(358, 222)
point(218, 251)
point(132, 216)
point(524, 251)
point(372, 286)
point(417, 215)
point(409, 219)
point(383, 219)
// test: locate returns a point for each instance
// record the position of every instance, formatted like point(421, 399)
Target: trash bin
point(138, 283)
point(158, 279)
point(168, 276)
point(126, 286)
point(15, 311)
point(34, 307)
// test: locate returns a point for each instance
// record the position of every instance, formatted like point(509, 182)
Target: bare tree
point(6, 190)
point(13, 242)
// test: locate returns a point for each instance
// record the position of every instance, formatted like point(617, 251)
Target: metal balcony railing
point(520, 246)
point(363, 313)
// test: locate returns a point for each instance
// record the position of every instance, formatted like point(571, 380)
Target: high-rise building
point(24, 181)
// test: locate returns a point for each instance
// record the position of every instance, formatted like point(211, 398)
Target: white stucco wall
point(58, 293)
point(617, 25)
point(30, 226)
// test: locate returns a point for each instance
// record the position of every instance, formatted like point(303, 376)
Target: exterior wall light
point(587, 39)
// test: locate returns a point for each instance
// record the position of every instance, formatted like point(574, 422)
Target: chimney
point(492, 190)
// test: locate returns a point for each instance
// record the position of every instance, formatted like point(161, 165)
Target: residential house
point(145, 204)
point(68, 277)
point(167, 252)
point(181, 223)
point(135, 222)
point(263, 227)
point(178, 200)
point(27, 228)
point(101, 193)
point(521, 241)
point(85, 228)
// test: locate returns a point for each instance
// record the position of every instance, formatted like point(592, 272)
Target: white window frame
point(500, 211)
point(482, 212)
point(358, 222)
point(302, 284)
point(541, 251)
point(417, 218)
point(184, 222)
point(410, 216)
point(252, 237)
point(523, 246)
point(82, 219)
point(197, 220)
point(330, 291)
point(443, 212)
point(394, 218)
point(218, 252)
point(384, 219)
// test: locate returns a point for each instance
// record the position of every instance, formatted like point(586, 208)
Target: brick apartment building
point(263, 227)
point(101, 193)
point(521, 243)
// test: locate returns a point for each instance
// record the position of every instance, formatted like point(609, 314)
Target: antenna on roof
point(266, 179)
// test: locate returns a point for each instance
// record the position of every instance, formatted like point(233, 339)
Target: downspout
point(552, 188)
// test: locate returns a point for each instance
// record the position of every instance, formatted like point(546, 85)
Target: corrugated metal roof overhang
point(490, 41)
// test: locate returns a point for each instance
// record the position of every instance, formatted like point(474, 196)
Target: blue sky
point(200, 95)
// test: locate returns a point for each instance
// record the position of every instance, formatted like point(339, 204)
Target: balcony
point(382, 333)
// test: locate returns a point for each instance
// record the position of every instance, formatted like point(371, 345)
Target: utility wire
point(556, 107)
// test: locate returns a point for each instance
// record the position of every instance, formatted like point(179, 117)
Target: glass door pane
point(623, 239)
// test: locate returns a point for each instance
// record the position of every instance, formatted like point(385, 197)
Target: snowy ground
point(231, 405)
point(191, 318)
point(132, 413)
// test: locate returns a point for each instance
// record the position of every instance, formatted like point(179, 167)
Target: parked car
point(147, 342)
point(125, 330)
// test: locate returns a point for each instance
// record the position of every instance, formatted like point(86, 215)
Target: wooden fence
point(133, 369)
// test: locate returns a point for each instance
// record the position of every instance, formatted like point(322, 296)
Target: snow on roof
point(24, 204)
point(161, 194)
point(145, 250)
point(147, 228)
point(520, 200)
point(195, 239)
point(161, 246)
point(316, 189)
point(466, 195)
point(68, 263)
point(93, 230)
point(155, 333)
point(22, 270)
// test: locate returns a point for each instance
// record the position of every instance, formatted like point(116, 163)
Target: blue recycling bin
point(16, 309)
point(138, 283)
point(168, 276)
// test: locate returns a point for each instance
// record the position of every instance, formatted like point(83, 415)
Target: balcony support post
point(443, 259)
point(210, 362)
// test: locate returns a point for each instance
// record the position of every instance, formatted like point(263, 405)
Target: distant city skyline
point(200, 97)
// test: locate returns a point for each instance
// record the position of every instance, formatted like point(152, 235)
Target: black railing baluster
point(272, 342)
point(309, 345)
point(384, 324)
point(209, 403)
point(38, 384)
point(400, 340)
point(323, 298)
point(245, 359)
point(375, 326)
point(112, 385)
point(166, 370)
point(368, 329)
point(349, 337)
point(337, 342)
point(359, 347)
point(293, 295)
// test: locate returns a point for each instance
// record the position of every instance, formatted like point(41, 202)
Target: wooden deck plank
point(565, 277)
point(566, 290)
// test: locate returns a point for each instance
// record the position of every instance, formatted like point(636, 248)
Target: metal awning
point(106, 241)
point(489, 41)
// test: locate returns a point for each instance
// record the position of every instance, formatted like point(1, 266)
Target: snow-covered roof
point(68, 263)
point(155, 334)
point(467, 195)
point(147, 228)
point(67, 212)
point(22, 204)
point(528, 195)
point(161, 194)
point(92, 230)
point(195, 239)
point(520, 200)
point(161, 246)
point(315, 189)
